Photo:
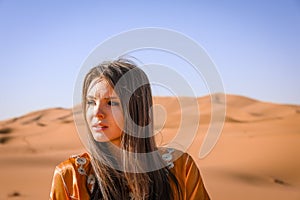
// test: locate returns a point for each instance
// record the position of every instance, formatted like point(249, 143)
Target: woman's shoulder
point(75, 176)
point(77, 169)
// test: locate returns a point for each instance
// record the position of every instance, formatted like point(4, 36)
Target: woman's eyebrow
point(106, 98)
point(112, 97)
point(90, 97)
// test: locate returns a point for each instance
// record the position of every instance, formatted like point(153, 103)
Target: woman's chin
point(100, 137)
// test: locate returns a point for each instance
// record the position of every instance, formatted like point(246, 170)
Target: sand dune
point(256, 157)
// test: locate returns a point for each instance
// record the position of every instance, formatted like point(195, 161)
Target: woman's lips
point(99, 128)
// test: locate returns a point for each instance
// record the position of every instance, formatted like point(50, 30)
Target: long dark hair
point(121, 175)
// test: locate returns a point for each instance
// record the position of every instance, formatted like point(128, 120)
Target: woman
point(123, 160)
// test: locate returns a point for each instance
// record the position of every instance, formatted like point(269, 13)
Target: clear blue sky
point(254, 44)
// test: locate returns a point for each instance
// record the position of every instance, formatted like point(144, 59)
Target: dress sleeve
point(194, 186)
point(58, 189)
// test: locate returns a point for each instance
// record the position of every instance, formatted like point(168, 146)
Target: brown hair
point(116, 179)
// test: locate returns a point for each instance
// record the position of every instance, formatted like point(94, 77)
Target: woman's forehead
point(100, 88)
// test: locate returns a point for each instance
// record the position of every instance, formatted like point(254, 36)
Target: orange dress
point(73, 178)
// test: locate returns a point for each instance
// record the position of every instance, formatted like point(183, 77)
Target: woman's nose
point(99, 112)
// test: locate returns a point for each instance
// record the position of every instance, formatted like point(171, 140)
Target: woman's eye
point(113, 103)
point(91, 102)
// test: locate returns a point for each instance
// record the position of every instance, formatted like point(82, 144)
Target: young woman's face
point(104, 113)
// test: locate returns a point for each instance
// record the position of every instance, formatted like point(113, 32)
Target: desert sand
point(256, 156)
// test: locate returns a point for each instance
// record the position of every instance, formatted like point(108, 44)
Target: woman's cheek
point(120, 120)
point(89, 115)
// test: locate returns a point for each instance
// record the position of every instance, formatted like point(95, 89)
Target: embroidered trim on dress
point(168, 157)
point(81, 161)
